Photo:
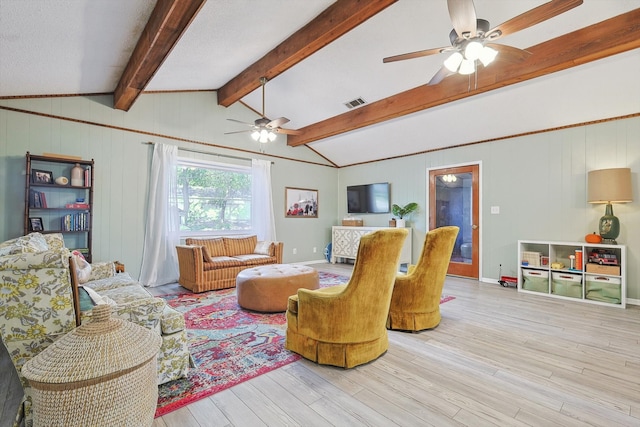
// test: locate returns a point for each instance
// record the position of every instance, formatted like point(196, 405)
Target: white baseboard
point(630, 301)
point(492, 281)
point(315, 261)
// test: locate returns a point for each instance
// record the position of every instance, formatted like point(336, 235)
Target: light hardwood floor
point(498, 358)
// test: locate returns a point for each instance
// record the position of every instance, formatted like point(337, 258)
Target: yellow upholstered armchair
point(344, 325)
point(415, 304)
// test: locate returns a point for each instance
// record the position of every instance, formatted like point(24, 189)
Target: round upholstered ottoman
point(267, 288)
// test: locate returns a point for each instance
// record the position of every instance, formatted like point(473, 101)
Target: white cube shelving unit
point(599, 285)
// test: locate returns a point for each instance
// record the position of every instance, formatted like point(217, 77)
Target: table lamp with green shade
point(609, 186)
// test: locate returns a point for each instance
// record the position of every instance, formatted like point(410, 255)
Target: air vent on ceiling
point(355, 103)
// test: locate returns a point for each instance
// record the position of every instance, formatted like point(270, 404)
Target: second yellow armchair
point(415, 304)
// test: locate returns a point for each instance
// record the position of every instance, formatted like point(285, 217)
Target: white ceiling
point(82, 46)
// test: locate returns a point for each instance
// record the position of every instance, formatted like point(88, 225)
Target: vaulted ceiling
point(321, 54)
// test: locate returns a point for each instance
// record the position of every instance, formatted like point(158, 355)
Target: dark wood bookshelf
point(54, 195)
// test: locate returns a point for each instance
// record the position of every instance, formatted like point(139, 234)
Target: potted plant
point(403, 211)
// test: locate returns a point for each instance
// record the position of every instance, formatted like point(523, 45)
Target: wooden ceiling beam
point(168, 21)
point(610, 37)
point(338, 19)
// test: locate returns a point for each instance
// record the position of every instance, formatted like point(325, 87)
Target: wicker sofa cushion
point(256, 259)
point(239, 245)
point(219, 262)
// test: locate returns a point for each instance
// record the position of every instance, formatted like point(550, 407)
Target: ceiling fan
point(264, 129)
point(472, 38)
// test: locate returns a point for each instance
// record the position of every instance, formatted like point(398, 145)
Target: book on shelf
point(77, 206)
point(87, 176)
point(75, 222)
point(37, 199)
point(34, 200)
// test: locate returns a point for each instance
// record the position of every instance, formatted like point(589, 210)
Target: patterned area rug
point(228, 345)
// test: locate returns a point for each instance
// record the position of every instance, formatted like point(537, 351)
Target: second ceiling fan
point(472, 38)
point(264, 129)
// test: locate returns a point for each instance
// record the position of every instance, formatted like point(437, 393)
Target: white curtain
point(264, 223)
point(159, 259)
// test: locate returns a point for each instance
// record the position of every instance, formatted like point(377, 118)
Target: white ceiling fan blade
point(277, 122)
point(264, 123)
point(238, 121)
point(442, 74)
point(509, 53)
point(412, 55)
point(463, 17)
point(532, 17)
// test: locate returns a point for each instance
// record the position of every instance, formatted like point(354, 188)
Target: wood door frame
point(477, 164)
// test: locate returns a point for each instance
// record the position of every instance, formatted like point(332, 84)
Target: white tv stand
point(345, 241)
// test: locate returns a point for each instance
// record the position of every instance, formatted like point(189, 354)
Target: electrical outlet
point(295, 251)
point(315, 249)
point(495, 210)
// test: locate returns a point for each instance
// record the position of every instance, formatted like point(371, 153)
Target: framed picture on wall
point(300, 203)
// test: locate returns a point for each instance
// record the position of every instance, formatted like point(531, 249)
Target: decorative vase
point(400, 223)
point(62, 180)
point(609, 226)
point(77, 175)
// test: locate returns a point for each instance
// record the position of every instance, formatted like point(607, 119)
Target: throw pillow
point(86, 303)
point(83, 268)
point(97, 298)
point(205, 255)
point(31, 243)
point(239, 245)
point(6, 248)
point(54, 240)
point(263, 248)
point(215, 246)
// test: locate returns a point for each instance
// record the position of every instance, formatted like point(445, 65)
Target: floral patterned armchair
point(36, 302)
point(37, 305)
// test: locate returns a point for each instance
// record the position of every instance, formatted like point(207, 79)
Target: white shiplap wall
point(539, 181)
point(90, 128)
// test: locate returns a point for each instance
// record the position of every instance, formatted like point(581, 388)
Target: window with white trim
point(213, 197)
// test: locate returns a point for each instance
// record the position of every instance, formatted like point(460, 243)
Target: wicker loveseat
point(209, 264)
point(37, 304)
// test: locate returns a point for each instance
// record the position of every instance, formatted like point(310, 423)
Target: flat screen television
point(368, 198)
